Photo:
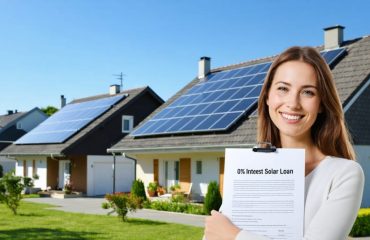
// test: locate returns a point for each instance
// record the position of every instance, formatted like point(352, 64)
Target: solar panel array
point(68, 121)
point(216, 102)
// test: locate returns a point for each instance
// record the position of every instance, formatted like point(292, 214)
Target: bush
point(1, 171)
point(11, 188)
point(175, 207)
point(361, 227)
point(138, 189)
point(213, 198)
point(122, 203)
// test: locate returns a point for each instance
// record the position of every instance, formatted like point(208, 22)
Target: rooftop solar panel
point(216, 102)
point(68, 121)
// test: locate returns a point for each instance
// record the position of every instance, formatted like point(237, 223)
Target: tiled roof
point(349, 73)
point(57, 149)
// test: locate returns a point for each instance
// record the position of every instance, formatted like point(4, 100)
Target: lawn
point(35, 221)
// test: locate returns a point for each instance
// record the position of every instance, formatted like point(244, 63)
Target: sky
point(75, 47)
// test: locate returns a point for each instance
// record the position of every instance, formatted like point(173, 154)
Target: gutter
point(214, 148)
point(52, 155)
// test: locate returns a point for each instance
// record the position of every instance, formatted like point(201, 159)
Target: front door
point(64, 173)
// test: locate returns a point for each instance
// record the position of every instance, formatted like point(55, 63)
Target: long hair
point(329, 132)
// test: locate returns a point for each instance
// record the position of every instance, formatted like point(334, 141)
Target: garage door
point(103, 177)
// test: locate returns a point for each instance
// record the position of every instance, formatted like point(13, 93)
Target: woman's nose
point(293, 101)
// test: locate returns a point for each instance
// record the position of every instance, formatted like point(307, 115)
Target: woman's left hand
point(219, 227)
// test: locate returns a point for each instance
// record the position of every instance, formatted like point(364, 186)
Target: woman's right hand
point(219, 227)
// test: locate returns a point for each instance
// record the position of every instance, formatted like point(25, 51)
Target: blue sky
point(73, 47)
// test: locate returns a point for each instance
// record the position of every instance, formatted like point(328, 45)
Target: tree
point(1, 171)
point(49, 110)
point(11, 188)
point(213, 198)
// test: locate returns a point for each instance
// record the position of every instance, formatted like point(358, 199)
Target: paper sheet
point(264, 192)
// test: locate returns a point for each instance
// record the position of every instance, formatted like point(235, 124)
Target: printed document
point(264, 192)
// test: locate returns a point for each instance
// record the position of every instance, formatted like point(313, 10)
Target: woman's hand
point(219, 227)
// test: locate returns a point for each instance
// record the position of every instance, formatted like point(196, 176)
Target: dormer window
point(127, 123)
point(19, 125)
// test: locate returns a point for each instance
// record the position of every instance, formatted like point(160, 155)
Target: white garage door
point(100, 175)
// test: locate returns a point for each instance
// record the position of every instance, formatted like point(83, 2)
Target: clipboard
point(263, 190)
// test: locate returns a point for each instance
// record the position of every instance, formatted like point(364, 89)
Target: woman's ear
point(267, 101)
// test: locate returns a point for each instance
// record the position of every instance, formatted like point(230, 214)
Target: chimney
point(333, 37)
point(114, 89)
point(63, 101)
point(10, 112)
point(204, 67)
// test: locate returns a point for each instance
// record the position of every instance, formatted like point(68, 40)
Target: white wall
point(210, 172)
point(8, 164)
point(363, 157)
point(32, 120)
point(100, 174)
point(210, 169)
point(41, 169)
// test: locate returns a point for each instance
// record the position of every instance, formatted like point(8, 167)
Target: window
point(127, 123)
point(19, 125)
point(199, 167)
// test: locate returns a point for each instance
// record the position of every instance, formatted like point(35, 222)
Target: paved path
point(93, 206)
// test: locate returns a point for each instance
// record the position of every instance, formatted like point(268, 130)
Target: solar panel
point(68, 121)
point(332, 55)
point(216, 102)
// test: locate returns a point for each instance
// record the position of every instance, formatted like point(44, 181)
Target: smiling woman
point(299, 108)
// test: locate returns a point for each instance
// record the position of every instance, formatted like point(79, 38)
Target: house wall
point(8, 164)
point(52, 173)
point(33, 165)
point(78, 172)
point(363, 157)
point(210, 169)
point(110, 132)
point(33, 119)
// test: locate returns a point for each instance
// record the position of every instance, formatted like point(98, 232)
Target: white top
point(333, 194)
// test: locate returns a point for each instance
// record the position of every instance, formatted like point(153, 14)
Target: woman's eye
point(282, 89)
point(308, 93)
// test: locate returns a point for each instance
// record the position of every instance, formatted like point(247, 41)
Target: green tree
point(213, 198)
point(138, 189)
point(11, 188)
point(49, 110)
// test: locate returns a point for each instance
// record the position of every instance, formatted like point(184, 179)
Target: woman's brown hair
point(329, 132)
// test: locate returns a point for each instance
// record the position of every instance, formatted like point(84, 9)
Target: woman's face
point(293, 100)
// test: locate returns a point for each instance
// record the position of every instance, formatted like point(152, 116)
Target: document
point(263, 193)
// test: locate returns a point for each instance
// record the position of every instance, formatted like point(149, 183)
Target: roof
point(9, 118)
point(349, 73)
point(60, 148)
point(7, 121)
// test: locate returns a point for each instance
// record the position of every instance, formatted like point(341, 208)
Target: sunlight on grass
point(35, 221)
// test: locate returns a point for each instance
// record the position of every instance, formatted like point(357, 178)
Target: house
point(14, 125)
point(70, 146)
point(184, 141)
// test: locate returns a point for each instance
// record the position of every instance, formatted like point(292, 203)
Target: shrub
point(175, 207)
point(361, 227)
point(11, 188)
point(1, 171)
point(138, 189)
point(122, 203)
point(68, 188)
point(175, 187)
point(213, 198)
point(152, 189)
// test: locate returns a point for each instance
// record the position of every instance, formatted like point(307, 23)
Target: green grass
point(35, 221)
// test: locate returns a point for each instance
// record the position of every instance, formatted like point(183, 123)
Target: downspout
point(135, 163)
point(114, 173)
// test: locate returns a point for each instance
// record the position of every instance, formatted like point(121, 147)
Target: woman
point(299, 107)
